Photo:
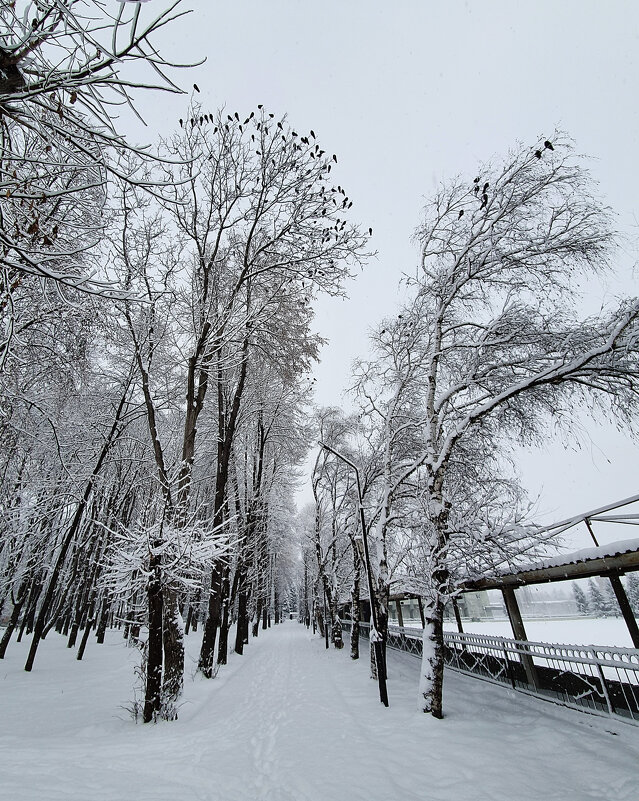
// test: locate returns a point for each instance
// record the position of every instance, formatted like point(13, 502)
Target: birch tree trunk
point(431, 681)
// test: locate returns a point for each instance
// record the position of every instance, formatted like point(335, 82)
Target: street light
point(375, 636)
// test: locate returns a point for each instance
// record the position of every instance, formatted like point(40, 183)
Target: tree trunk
point(338, 640)
point(189, 617)
point(355, 611)
point(225, 623)
point(15, 616)
point(226, 434)
point(276, 602)
point(432, 670)
point(73, 633)
point(207, 651)
point(102, 625)
point(258, 615)
point(173, 641)
point(29, 617)
point(241, 634)
point(319, 618)
point(152, 698)
point(85, 637)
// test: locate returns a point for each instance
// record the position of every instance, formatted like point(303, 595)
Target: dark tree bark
point(173, 642)
point(85, 636)
point(226, 434)
point(18, 603)
point(153, 692)
point(102, 624)
point(189, 617)
point(355, 610)
point(241, 633)
point(223, 644)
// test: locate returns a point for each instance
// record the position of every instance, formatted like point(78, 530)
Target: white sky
point(408, 93)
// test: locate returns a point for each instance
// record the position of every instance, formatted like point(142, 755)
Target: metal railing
point(595, 679)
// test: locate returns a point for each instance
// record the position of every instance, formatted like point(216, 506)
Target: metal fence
point(600, 680)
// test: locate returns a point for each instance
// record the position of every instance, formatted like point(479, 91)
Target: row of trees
point(599, 600)
point(156, 311)
point(157, 314)
point(489, 351)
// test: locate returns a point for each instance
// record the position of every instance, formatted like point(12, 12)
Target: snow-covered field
point(578, 631)
point(290, 721)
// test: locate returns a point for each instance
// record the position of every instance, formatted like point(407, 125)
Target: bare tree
point(491, 349)
point(264, 231)
point(64, 66)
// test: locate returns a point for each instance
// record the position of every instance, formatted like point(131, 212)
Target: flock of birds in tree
point(315, 153)
point(484, 190)
point(300, 143)
point(484, 202)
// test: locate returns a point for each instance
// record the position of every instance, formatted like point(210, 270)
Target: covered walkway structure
point(591, 678)
point(610, 562)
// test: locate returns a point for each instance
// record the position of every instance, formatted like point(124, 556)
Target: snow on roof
point(583, 555)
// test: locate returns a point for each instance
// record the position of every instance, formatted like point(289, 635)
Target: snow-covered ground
point(290, 721)
point(577, 631)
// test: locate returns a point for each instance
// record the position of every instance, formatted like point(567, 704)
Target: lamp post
point(376, 638)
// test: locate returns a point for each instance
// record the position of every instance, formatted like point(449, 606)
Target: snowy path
point(290, 721)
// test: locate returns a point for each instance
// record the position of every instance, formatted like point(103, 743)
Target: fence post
point(604, 688)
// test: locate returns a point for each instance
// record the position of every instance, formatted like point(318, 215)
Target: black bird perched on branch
point(548, 145)
point(181, 122)
point(196, 87)
point(370, 232)
point(461, 214)
point(484, 200)
point(538, 153)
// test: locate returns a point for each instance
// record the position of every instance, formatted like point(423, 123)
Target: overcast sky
point(409, 93)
